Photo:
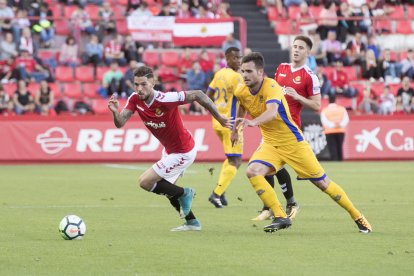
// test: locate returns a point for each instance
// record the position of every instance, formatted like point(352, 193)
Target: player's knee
point(236, 162)
point(322, 184)
point(143, 183)
point(250, 172)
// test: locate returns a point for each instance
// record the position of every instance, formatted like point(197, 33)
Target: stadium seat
point(121, 27)
point(383, 25)
point(345, 102)
point(293, 12)
point(284, 27)
point(122, 2)
point(410, 10)
point(68, 10)
point(351, 72)
point(100, 72)
point(90, 90)
point(56, 10)
point(170, 58)
point(64, 74)
point(212, 55)
point(394, 88)
point(359, 86)
point(93, 11)
point(403, 27)
point(33, 87)
point(403, 55)
point(55, 88)
point(61, 27)
point(119, 12)
point(85, 74)
point(167, 74)
point(378, 87)
point(100, 106)
point(194, 55)
point(315, 10)
point(272, 13)
point(173, 86)
point(72, 90)
point(327, 70)
point(398, 12)
point(151, 58)
point(10, 88)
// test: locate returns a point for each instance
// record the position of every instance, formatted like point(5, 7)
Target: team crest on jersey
point(297, 79)
point(261, 99)
point(158, 112)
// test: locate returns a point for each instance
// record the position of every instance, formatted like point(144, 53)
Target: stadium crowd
point(48, 66)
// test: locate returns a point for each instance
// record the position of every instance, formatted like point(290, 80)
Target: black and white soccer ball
point(72, 227)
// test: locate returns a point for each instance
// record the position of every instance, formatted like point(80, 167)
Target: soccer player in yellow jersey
point(283, 143)
point(221, 91)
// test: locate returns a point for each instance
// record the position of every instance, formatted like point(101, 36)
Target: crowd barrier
point(96, 139)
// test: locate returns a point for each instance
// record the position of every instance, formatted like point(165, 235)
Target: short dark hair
point(144, 71)
point(231, 49)
point(257, 59)
point(305, 39)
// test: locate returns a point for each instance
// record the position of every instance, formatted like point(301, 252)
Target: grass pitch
point(128, 228)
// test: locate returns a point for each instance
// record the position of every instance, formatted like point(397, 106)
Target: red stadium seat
point(64, 74)
point(100, 72)
point(93, 11)
point(272, 13)
point(170, 58)
point(403, 55)
point(151, 58)
point(212, 55)
point(61, 27)
point(315, 10)
point(293, 12)
point(327, 70)
point(121, 27)
point(119, 12)
point(410, 11)
point(194, 55)
point(72, 90)
point(68, 10)
point(383, 25)
point(122, 2)
point(85, 74)
point(345, 102)
point(10, 88)
point(173, 86)
point(46, 54)
point(56, 10)
point(403, 27)
point(359, 86)
point(90, 90)
point(378, 87)
point(398, 13)
point(33, 87)
point(284, 27)
point(167, 74)
point(55, 88)
point(351, 72)
point(100, 106)
point(394, 88)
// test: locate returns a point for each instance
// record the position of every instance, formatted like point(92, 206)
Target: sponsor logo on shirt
point(282, 75)
point(155, 125)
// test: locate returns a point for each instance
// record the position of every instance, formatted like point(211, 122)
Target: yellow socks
point(267, 195)
point(227, 173)
point(340, 197)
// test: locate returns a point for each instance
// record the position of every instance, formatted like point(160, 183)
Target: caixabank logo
point(393, 139)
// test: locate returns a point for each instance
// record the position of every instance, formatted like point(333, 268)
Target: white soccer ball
point(72, 227)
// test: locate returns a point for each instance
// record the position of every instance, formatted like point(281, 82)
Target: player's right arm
point(241, 113)
point(120, 118)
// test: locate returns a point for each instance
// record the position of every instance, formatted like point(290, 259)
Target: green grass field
point(128, 228)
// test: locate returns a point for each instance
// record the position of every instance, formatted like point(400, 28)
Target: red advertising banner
point(100, 140)
point(379, 139)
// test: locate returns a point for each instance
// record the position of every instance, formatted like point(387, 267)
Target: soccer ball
point(72, 227)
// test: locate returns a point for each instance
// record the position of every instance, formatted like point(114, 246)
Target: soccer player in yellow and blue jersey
point(283, 143)
point(221, 91)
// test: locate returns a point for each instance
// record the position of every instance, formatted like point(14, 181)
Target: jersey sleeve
point(171, 99)
point(273, 93)
point(212, 86)
point(130, 104)
point(313, 86)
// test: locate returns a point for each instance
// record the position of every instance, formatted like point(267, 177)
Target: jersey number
point(217, 94)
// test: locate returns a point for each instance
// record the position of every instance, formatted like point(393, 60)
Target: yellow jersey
point(280, 131)
point(225, 81)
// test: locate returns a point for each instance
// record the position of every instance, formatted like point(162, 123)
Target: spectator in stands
point(28, 69)
point(6, 105)
point(106, 23)
point(340, 83)
point(370, 68)
point(113, 51)
point(223, 10)
point(318, 50)
point(81, 22)
point(26, 42)
point(305, 20)
point(7, 70)
point(44, 99)
point(94, 52)
point(19, 23)
point(158, 85)
point(6, 16)
point(113, 81)
point(389, 69)
point(368, 100)
point(204, 12)
point(129, 77)
point(355, 50)
point(365, 25)
point(328, 19)
point(133, 50)
point(230, 41)
point(186, 62)
point(372, 44)
point(206, 64)
point(8, 47)
point(387, 102)
point(345, 25)
point(44, 25)
point(166, 10)
point(184, 10)
point(133, 5)
point(407, 65)
point(69, 52)
point(381, 7)
point(22, 99)
point(196, 79)
point(142, 10)
point(356, 6)
point(332, 48)
point(325, 83)
point(405, 97)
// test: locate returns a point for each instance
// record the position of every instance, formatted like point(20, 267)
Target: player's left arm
point(207, 103)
